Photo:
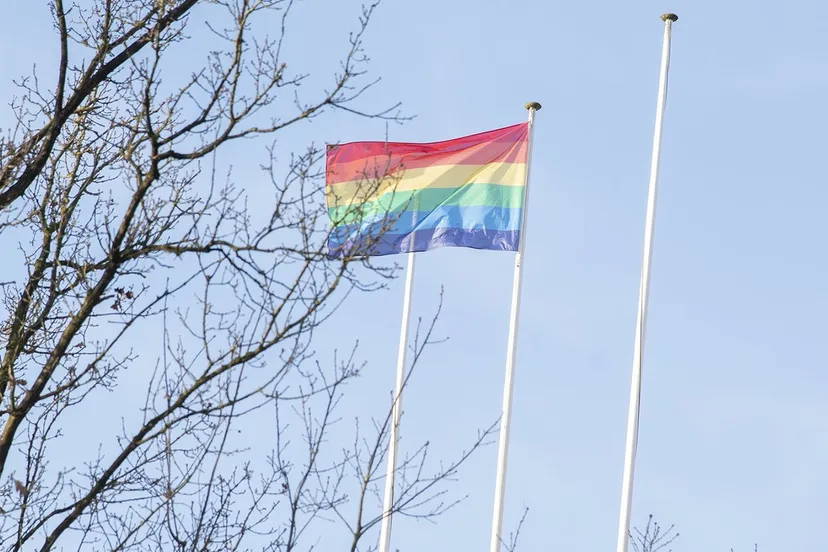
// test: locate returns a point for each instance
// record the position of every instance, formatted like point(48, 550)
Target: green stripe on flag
point(428, 199)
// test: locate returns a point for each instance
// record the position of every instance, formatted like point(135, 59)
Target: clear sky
point(734, 425)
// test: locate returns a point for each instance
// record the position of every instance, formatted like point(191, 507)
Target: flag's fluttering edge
point(391, 197)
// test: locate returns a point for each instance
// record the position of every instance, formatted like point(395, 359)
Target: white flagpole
point(506, 415)
point(643, 295)
point(388, 502)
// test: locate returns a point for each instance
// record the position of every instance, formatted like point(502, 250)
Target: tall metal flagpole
point(388, 502)
point(643, 295)
point(506, 416)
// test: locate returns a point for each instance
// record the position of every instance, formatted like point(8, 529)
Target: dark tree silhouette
point(140, 276)
point(653, 538)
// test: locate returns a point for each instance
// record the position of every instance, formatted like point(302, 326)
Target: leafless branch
point(159, 384)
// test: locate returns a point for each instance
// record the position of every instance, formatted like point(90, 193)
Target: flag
point(385, 198)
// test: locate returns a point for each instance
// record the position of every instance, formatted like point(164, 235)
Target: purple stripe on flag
point(426, 239)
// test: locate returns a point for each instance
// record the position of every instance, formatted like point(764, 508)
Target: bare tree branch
point(143, 277)
point(653, 538)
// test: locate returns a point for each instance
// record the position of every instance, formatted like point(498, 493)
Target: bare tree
point(653, 538)
point(511, 545)
point(139, 275)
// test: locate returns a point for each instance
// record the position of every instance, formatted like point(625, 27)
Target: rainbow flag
point(391, 197)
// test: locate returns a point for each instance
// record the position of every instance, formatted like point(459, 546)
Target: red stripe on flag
point(371, 160)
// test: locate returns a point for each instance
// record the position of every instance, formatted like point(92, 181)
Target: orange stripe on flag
point(374, 160)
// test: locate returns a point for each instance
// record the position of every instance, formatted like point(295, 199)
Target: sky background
point(734, 421)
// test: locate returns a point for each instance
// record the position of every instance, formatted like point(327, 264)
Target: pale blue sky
point(734, 426)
